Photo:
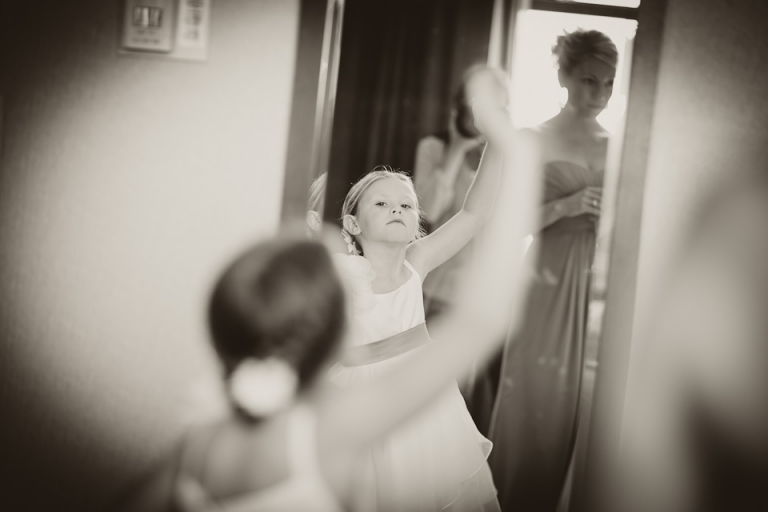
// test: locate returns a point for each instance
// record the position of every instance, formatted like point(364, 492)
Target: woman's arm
point(437, 168)
point(585, 201)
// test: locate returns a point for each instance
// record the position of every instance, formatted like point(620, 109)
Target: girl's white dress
point(437, 460)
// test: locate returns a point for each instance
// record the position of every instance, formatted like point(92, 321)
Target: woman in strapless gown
point(534, 417)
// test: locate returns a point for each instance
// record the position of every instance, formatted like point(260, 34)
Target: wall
point(126, 183)
point(710, 120)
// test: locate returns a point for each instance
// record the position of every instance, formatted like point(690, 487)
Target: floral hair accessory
point(351, 244)
point(262, 387)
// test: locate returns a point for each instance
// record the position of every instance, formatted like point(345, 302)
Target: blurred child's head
point(281, 303)
point(316, 203)
point(382, 207)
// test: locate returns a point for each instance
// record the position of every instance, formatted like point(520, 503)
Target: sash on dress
point(388, 347)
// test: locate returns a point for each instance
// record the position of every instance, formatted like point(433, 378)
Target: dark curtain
point(400, 62)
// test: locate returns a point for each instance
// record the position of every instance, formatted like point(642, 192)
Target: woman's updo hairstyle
point(573, 48)
point(283, 300)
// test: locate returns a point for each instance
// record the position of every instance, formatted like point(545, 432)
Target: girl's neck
point(387, 260)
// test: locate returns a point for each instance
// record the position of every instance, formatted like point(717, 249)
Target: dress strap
point(413, 270)
point(302, 440)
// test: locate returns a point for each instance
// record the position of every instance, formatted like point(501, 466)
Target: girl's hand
point(586, 201)
point(489, 106)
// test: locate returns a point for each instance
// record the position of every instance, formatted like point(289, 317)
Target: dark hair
point(281, 298)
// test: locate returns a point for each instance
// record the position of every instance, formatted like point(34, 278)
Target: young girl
point(437, 461)
point(276, 319)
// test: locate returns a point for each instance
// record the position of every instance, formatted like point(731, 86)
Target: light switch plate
point(148, 25)
point(183, 33)
point(192, 29)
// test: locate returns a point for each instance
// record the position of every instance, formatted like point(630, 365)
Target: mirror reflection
point(384, 256)
point(403, 101)
point(534, 418)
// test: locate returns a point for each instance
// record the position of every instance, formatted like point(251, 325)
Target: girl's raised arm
point(492, 119)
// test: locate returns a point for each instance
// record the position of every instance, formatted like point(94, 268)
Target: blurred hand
point(489, 107)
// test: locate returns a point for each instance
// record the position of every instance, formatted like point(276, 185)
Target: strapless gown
point(534, 418)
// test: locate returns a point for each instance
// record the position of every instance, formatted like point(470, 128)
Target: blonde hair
point(573, 48)
point(352, 201)
point(316, 201)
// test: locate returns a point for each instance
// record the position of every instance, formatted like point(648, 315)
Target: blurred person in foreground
point(695, 433)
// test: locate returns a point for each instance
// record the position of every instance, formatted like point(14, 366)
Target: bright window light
point(537, 93)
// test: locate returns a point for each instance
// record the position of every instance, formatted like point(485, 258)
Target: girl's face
point(590, 86)
point(388, 212)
